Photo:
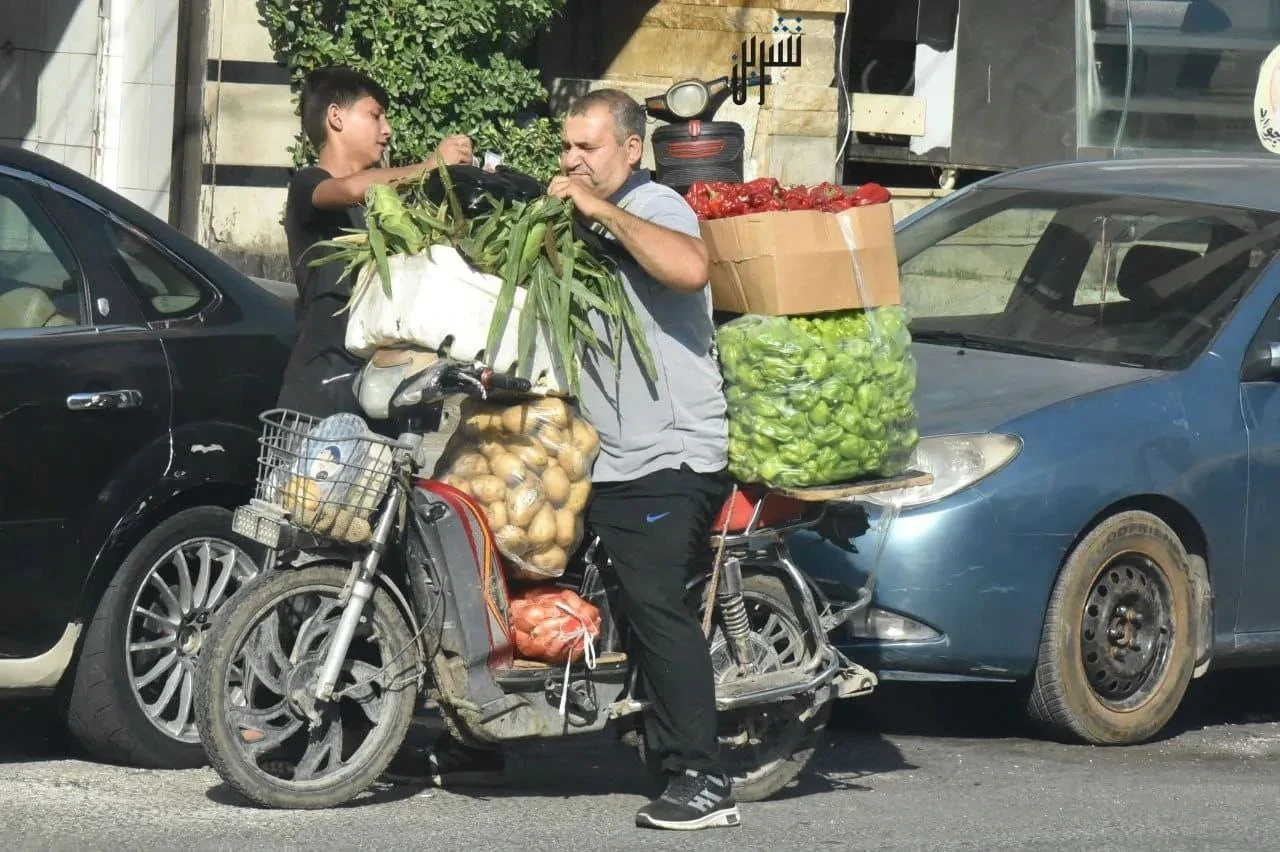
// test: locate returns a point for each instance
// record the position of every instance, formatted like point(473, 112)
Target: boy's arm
point(343, 192)
point(340, 193)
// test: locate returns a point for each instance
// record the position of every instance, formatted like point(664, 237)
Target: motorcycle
point(388, 591)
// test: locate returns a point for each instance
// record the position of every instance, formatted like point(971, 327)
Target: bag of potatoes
point(529, 466)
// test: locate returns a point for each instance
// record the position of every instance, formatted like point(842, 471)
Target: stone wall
point(646, 46)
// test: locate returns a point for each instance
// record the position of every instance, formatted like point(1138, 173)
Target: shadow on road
point(996, 711)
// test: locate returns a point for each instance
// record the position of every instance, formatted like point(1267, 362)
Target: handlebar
point(504, 381)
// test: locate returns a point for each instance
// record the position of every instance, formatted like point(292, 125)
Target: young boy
point(344, 116)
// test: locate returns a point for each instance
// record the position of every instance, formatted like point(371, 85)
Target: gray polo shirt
point(646, 427)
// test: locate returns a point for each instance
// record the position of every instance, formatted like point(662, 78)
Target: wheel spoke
point(176, 674)
point(185, 699)
point(257, 733)
point(264, 656)
point(362, 691)
point(313, 632)
point(202, 579)
point(184, 580)
point(163, 665)
point(324, 752)
point(223, 580)
point(170, 638)
point(166, 595)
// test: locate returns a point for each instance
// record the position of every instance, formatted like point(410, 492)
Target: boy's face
point(361, 131)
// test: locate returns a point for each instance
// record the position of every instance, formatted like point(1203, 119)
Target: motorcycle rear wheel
point(265, 647)
point(774, 621)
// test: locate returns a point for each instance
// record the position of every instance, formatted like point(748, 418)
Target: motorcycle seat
point(739, 508)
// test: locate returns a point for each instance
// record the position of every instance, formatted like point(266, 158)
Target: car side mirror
point(1262, 363)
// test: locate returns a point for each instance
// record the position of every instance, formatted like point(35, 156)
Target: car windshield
point(1106, 279)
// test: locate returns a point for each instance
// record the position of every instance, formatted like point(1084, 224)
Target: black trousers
point(655, 530)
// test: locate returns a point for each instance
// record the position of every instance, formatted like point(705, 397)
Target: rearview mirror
point(1262, 363)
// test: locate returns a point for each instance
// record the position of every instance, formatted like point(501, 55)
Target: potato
point(552, 438)
point(528, 451)
point(574, 463)
point(585, 437)
point(480, 421)
point(524, 501)
point(579, 492)
point(469, 465)
point(463, 485)
point(513, 541)
point(497, 514)
point(550, 560)
point(542, 529)
point(490, 446)
point(509, 469)
point(488, 488)
point(567, 528)
point(550, 410)
point(556, 482)
point(301, 495)
point(514, 419)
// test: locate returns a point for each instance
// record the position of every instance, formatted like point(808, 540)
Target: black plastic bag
point(471, 183)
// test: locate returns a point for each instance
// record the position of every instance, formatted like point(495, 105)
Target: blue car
point(1098, 353)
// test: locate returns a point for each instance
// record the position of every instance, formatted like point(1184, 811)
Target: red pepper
point(870, 193)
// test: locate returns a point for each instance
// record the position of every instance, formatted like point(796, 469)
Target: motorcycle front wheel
point(261, 729)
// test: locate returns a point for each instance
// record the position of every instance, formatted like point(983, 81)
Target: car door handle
point(104, 400)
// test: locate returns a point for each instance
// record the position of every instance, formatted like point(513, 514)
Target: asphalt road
point(915, 768)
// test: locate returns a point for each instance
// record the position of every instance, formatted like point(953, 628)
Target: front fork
point(357, 593)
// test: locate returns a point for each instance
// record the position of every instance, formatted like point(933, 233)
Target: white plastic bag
point(437, 297)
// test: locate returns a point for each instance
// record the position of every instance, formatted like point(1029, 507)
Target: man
point(344, 117)
point(659, 479)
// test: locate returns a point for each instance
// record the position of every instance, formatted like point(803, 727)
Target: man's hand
point(675, 260)
point(584, 200)
point(453, 150)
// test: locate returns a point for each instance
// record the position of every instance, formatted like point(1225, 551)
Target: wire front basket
point(328, 476)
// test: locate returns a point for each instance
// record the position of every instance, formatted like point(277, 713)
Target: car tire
point(1118, 645)
point(121, 647)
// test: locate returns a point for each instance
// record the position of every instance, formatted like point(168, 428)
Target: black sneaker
point(448, 764)
point(693, 800)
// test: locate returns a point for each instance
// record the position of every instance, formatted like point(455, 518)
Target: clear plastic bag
point(819, 399)
point(329, 476)
point(528, 466)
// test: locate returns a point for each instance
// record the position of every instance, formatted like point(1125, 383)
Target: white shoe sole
point(719, 819)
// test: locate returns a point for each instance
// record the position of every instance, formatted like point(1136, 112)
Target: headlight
point(956, 462)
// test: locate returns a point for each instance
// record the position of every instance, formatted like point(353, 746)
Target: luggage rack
point(856, 487)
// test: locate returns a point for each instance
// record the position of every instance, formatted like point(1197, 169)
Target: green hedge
point(448, 66)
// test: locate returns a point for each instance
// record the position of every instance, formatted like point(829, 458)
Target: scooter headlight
point(687, 99)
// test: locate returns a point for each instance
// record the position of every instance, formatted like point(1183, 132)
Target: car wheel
point(130, 700)
point(1118, 645)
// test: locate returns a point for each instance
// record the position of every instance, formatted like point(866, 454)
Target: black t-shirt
point(318, 378)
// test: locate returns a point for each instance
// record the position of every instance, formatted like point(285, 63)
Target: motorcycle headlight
point(956, 462)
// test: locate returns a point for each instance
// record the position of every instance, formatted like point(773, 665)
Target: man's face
point(363, 129)
point(591, 152)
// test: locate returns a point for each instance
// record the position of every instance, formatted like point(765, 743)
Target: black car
point(133, 366)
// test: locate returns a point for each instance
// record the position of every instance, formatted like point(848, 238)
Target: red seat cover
point(738, 509)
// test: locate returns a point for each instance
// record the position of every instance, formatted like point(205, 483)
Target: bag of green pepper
point(821, 399)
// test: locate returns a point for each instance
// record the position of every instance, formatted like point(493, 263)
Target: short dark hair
point(339, 85)
point(628, 115)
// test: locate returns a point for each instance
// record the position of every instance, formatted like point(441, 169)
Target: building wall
point(643, 46)
point(91, 85)
point(250, 121)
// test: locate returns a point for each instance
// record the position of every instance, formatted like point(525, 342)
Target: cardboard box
point(798, 261)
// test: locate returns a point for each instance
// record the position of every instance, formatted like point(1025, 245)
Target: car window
point(40, 286)
point(1105, 279)
point(165, 289)
point(973, 269)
